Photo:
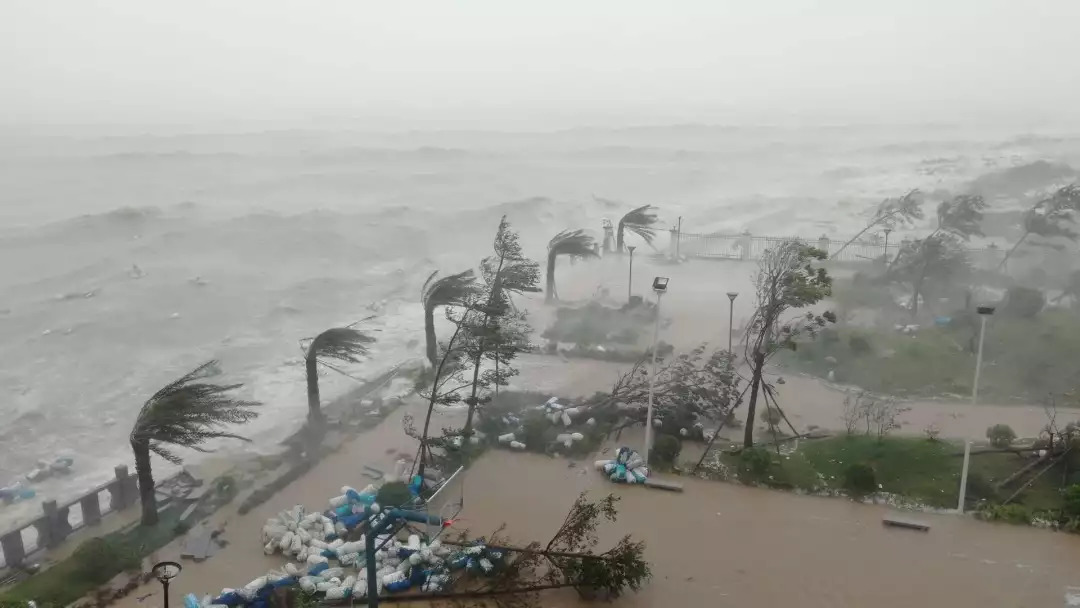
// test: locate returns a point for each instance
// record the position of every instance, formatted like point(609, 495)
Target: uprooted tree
point(786, 280)
point(889, 214)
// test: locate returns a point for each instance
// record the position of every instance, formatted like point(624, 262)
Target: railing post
point(122, 491)
point(91, 509)
point(12, 545)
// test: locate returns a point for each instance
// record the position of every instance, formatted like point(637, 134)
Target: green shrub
point(393, 494)
point(665, 451)
point(1000, 435)
point(859, 344)
point(99, 559)
point(1023, 302)
point(1012, 513)
point(754, 464)
point(1071, 495)
point(859, 478)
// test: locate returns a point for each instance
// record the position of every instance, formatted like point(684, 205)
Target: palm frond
point(451, 289)
point(188, 412)
point(341, 343)
point(574, 243)
point(642, 222)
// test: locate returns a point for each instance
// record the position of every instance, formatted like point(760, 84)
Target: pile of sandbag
point(557, 412)
point(628, 466)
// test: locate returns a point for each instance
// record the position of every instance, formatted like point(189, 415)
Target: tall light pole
point(731, 295)
point(984, 312)
point(659, 285)
point(887, 231)
point(630, 279)
point(165, 572)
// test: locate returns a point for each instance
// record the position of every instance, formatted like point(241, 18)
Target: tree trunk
point(314, 411)
point(147, 498)
point(619, 237)
point(759, 369)
point(551, 296)
point(1005, 259)
point(429, 335)
point(467, 431)
point(855, 238)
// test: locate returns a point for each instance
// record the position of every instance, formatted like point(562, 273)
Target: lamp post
point(731, 295)
point(165, 572)
point(984, 312)
point(659, 285)
point(630, 279)
point(887, 231)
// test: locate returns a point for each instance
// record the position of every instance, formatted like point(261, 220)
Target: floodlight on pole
point(659, 285)
point(731, 295)
point(984, 312)
point(165, 572)
point(630, 279)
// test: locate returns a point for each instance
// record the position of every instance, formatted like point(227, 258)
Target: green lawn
point(923, 470)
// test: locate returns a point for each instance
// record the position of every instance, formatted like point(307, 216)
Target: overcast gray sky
point(152, 61)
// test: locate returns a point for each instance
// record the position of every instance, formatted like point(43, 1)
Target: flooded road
point(720, 544)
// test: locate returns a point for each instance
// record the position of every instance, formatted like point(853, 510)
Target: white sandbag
point(305, 536)
point(293, 570)
point(599, 464)
point(635, 461)
point(334, 544)
point(324, 586)
point(370, 489)
point(312, 518)
point(247, 594)
point(394, 577)
point(348, 559)
point(335, 572)
point(555, 417)
point(256, 584)
point(572, 411)
point(577, 436)
point(517, 445)
point(328, 529)
point(317, 543)
point(562, 437)
point(359, 590)
point(413, 543)
point(286, 541)
point(270, 548)
point(590, 422)
point(486, 565)
point(426, 554)
point(507, 438)
point(315, 558)
point(552, 401)
point(658, 422)
point(307, 583)
point(338, 501)
point(404, 566)
point(337, 593)
point(297, 544)
point(348, 581)
point(415, 559)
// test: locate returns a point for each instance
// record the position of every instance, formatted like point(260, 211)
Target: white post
point(652, 381)
point(963, 477)
point(978, 361)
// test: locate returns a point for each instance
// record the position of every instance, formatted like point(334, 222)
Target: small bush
point(859, 478)
point(393, 494)
point(665, 451)
point(859, 344)
point(1013, 514)
point(754, 464)
point(1000, 435)
point(98, 560)
point(1071, 505)
point(1023, 302)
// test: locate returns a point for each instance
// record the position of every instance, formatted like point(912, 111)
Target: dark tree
point(500, 331)
point(1051, 217)
point(787, 279)
point(936, 261)
point(890, 213)
point(573, 243)
point(339, 343)
point(641, 221)
point(185, 413)
point(444, 291)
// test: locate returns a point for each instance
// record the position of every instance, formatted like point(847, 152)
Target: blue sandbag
point(259, 603)
point(190, 601)
point(415, 485)
point(315, 570)
point(328, 553)
point(230, 599)
point(418, 576)
point(399, 585)
point(405, 552)
point(287, 581)
point(351, 521)
point(343, 511)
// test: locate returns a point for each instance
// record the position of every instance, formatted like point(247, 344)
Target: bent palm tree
point(640, 221)
point(448, 290)
point(185, 413)
point(574, 243)
point(341, 343)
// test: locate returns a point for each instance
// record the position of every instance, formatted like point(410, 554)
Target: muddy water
point(725, 545)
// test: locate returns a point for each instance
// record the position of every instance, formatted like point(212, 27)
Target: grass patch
point(919, 469)
point(93, 563)
point(1023, 359)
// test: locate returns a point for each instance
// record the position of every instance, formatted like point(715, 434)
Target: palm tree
point(574, 243)
point(185, 413)
point(640, 221)
point(447, 291)
point(340, 343)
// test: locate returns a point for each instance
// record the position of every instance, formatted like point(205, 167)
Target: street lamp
point(731, 295)
point(659, 285)
point(887, 231)
point(165, 572)
point(630, 280)
point(984, 312)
